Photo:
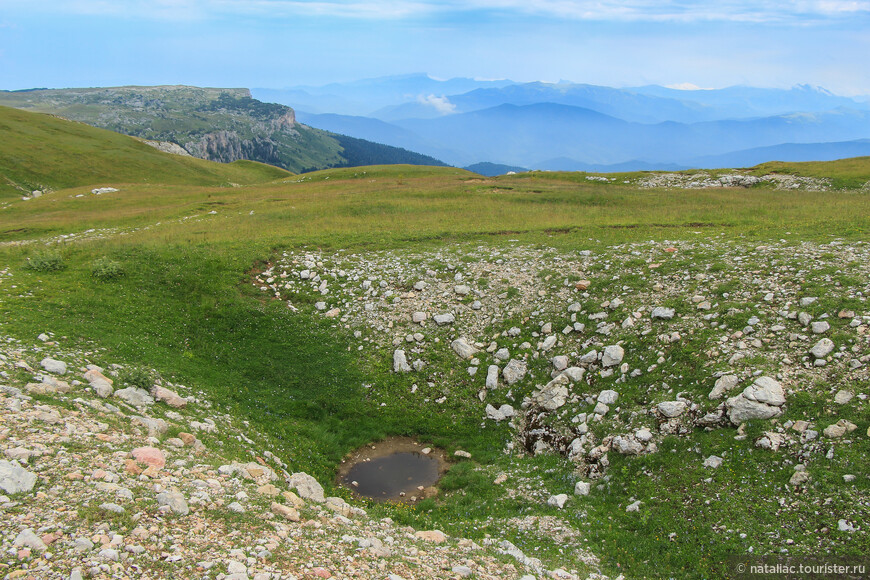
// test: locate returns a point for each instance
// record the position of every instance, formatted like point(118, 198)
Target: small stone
point(671, 409)
point(171, 398)
point(461, 347)
point(285, 512)
point(822, 348)
point(307, 487)
point(149, 456)
point(633, 507)
point(15, 479)
point(400, 362)
point(53, 366)
point(612, 356)
point(662, 313)
point(135, 397)
point(435, 536)
point(492, 376)
point(843, 397)
point(713, 462)
point(820, 327)
point(643, 435)
point(799, 478)
point(442, 319)
point(557, 501)
point(608, 397)
point(236, 507)
point(28, 539)
point(582, 488)
point(514, 371)
point(175, 501)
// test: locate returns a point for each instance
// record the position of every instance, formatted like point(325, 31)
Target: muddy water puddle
point(396, 469)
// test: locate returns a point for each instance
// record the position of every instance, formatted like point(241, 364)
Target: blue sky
point(282, 43)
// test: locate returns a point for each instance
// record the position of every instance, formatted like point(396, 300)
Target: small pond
point(396, 469)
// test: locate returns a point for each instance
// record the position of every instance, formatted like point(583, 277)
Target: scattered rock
point(443, 319)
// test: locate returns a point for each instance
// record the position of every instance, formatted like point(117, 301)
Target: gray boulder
point(135, 397)
point(15, 479)
point(28, 539)
point(608, 397)
point(175, 501)
point(612, 356)
point(514, 371)
point(461, 347)
point(307, 487)
point(822, 348)
point(442, 319)
point(492, 377)
point(553, 395)
point(671, 409)
point(765, 390)
point(400, 362)
point(662, 313)
point(723, 385)
point(53, 366)
point(626, 445)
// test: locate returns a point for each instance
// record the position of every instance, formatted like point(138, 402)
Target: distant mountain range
point(570, 126)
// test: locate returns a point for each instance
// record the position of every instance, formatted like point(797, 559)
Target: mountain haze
point(567, 125)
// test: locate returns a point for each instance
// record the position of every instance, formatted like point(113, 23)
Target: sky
point(286, 43)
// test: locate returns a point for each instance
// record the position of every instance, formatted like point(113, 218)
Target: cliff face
point(227, 146)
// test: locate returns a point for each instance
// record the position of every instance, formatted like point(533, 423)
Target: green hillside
point(215, 124)
point(39, 152)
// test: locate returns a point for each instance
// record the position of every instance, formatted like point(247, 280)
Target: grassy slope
point(185, 306)
point(40, 151)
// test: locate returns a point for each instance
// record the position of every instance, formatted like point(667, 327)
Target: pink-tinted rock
point(94, 375)
point(149, 456)
point(171, 398)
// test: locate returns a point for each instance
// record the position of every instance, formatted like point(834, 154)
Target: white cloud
point(797, 11)
point(440, 104)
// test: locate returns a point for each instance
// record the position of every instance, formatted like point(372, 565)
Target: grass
point(184, 304)
point(50, 153)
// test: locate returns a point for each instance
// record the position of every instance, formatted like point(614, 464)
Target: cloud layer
point(757, 11)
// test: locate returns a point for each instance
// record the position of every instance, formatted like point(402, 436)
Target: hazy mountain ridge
point(210, 123)
point(545, 125)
